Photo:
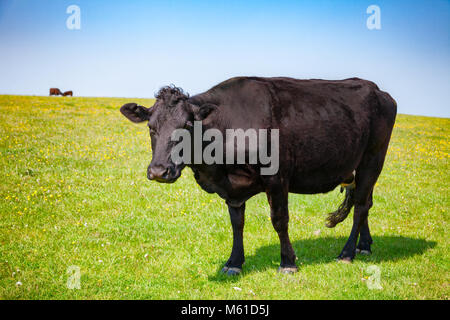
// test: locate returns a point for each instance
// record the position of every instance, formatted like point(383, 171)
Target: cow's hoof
point(287, 270)
point(345, 260)
point(231, 271)
point(364, 252)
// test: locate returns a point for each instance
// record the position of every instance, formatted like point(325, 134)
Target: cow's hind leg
point(234, 264)
point(366, 176)
point(365, 239)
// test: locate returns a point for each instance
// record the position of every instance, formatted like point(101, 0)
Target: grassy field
point(74, 196)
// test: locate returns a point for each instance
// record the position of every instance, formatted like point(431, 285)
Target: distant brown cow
point(55, 92)
point(68, 93)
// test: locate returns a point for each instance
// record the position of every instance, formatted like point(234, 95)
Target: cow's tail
point(344, 209)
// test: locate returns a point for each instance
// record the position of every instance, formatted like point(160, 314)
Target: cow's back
point(292, 104)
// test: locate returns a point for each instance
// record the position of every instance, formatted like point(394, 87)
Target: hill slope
point(74, 196)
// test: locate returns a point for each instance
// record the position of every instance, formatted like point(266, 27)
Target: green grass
point(74, 192)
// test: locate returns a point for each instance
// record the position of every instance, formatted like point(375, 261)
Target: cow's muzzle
point(162, 174)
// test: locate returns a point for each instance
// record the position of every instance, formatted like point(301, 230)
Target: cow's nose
point(157, 173)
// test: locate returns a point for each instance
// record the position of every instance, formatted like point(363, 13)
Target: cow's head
point(171, 111)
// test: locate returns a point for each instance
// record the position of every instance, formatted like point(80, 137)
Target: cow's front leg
point(280, 219)
point(236, 260)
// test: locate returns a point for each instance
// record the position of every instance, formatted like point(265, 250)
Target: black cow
point(330, 133)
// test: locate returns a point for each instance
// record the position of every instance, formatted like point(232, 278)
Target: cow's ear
point(203, 111)
point(135, 113)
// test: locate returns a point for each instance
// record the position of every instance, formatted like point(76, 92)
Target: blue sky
point(132, 48)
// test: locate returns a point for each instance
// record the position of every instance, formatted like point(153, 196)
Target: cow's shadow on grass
point(325, 250)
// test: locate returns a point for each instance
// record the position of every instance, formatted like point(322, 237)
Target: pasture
point(74, 192)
